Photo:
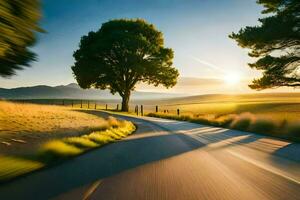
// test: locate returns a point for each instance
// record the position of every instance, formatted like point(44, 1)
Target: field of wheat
point(25, 125)
point(33, 136)
point(275, 114)
point(275, 106)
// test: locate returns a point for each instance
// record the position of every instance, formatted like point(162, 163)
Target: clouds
point(205, 63)
point(194, 86)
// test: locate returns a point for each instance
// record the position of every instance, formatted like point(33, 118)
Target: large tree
point(276, 44)
point(18, 25)
point(121, 54)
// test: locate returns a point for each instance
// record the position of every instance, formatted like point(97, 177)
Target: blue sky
point(197, 30)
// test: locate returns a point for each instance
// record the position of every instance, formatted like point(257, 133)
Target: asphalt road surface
point(167, 159)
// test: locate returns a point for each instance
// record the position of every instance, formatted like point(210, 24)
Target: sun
point(232, 78)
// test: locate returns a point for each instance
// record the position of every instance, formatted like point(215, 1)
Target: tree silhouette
point(122, 53)
point(276, 44)
point(19, 23)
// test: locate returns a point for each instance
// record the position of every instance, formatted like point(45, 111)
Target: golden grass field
point(275, 106)
point(29, 123)
point(280, 108)
point(271, 105)
point(276, 114)
point(33, 136)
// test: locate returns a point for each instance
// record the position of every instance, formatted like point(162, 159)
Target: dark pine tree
point(276, 44)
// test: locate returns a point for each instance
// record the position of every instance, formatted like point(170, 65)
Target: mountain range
point(72, 91)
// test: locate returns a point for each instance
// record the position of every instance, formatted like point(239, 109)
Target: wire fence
point(138, 109)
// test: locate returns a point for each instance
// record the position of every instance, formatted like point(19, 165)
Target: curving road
point(167, 159)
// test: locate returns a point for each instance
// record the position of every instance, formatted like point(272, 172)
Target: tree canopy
point(19, 23)
point(122, 53)
point(276, 44)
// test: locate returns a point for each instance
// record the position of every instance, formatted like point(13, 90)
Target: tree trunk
point(125, 102)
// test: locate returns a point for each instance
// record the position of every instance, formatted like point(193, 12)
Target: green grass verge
point(12, 166)
point(243, 122)
point(61, 149)
point(71, 146)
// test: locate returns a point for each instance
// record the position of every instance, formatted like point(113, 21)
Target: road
point(168, 159)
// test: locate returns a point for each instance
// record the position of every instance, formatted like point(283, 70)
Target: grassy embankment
point(276, 114)
point(243, 122)
point(270, 114)
point(34, 136)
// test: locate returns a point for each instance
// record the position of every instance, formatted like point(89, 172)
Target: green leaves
point(19, 23)
point(122, 53)
point(278, 34)
point(270, 5)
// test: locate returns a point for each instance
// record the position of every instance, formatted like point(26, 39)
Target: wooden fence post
point(142, 110)
point(105, 106)
point(117, 107)
point(156, 109)
point(88, 104)
point(178, 113)
point(80, 103)
point(137, 110)
point(95, 106)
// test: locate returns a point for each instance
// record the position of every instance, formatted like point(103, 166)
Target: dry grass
point(276, 114)
point(274, 106)
point(21, 124)
point(57, 150)
point(244, 122)
point(33, 136)
point(280, 111)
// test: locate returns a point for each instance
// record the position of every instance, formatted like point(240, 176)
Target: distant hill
point(72, 91)
point(226, 98)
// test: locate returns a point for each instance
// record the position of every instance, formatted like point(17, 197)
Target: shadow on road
point(100, 163)
point(290, 151)
point(151, 142)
